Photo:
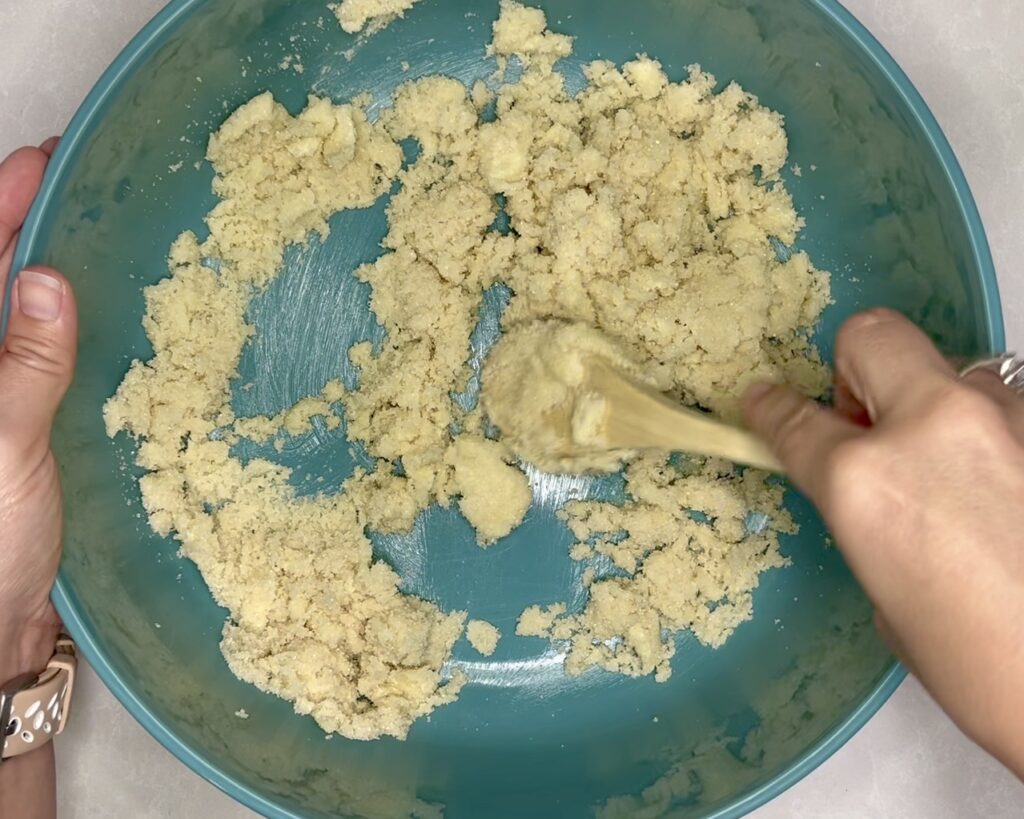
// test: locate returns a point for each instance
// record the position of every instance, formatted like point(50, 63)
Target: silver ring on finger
point(1009, 368)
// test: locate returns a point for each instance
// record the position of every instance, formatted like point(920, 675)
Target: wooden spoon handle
point(640, 418)
point(678, 429)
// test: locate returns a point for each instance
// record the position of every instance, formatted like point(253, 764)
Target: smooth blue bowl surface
point(888, 212)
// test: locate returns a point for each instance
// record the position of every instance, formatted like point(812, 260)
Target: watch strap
point(34, 708)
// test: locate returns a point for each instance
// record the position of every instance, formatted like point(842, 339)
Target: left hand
point(37, 359)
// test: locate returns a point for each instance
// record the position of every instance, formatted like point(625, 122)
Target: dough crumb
point(482, 636)
point(581, 551)
point(481, 95)
point(295, 420)
point(353, 15)
point(536, 621)
point(494, 494)
point(522, 31)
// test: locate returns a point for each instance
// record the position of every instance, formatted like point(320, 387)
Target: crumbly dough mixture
point(483, 636)
point(689, 546)
point(355, 14)
point(295, 420)
point(313, 618)
point(635, 208)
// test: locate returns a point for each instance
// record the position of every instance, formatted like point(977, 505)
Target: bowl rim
point(197, 759)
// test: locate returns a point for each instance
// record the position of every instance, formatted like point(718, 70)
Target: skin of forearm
point(28, 786)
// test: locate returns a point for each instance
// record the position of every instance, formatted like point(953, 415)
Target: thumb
point(37, 359)
point(803, 435)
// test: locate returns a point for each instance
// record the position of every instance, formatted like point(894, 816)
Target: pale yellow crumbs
point(635, 209)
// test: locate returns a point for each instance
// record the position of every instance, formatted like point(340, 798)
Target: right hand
point(920, 477)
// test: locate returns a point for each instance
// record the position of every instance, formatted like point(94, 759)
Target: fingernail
point(40, 296)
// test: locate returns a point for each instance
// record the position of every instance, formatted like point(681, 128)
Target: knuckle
point(867, 333)
point(794, 415)
point(966, 418)
point(964, 410)
point(853, 462)
point(866, 321)
point(25, 466)
point(990, 384)
point(14, 452)
point(857, 474)
point(39, 355)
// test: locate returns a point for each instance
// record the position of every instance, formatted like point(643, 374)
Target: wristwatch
point(34, 707)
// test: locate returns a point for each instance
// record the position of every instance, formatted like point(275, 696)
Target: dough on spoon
point(535, 391)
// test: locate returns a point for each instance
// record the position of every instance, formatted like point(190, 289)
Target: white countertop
point(909, 762)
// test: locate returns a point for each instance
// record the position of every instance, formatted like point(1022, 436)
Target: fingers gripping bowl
point(887, 213)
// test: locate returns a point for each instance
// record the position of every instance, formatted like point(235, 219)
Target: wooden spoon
point(568, 399)
point(617, 412)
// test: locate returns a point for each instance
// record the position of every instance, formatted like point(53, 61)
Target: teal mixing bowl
point(887, 210)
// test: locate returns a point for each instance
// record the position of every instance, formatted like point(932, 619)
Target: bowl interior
point(886, 213)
